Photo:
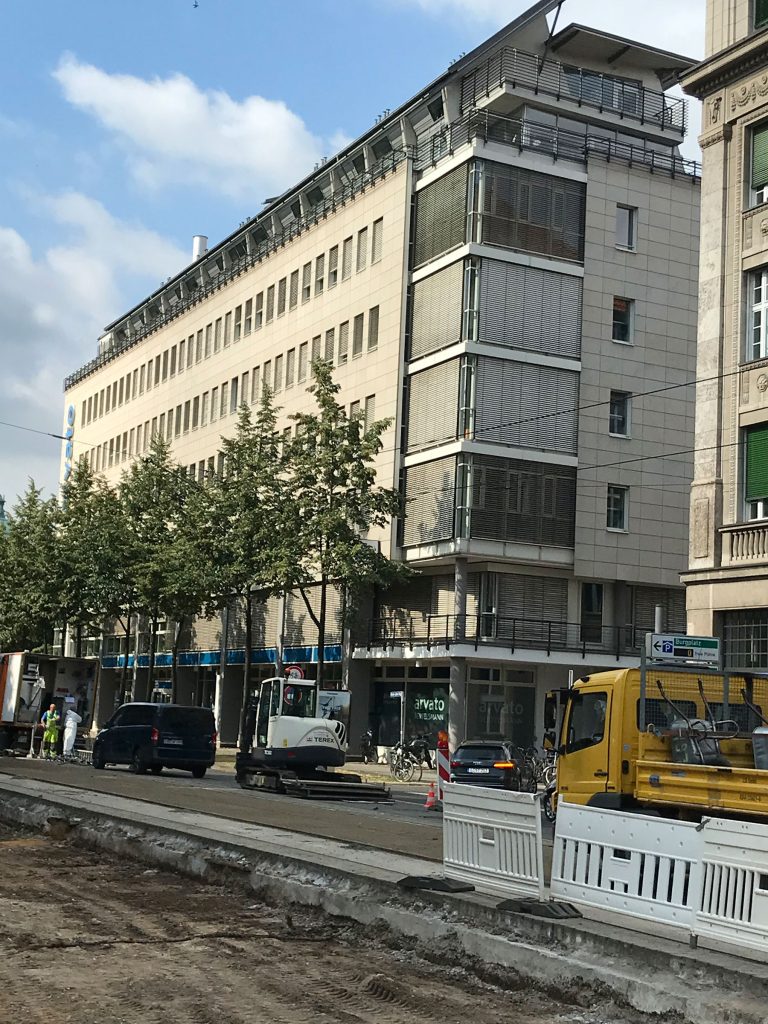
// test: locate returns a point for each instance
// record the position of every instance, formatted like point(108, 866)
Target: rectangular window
point(131, 440)
point(270, 303)
point(224, 405)
point(278, 374)
point(208, 341)
point(169, 425)
point(756, 472)
point(293, 297)
point(199, 347)
point(165, 365)
point(195, 413)
point(244, 384)
point(618, 416)
point(759, 174)
point(255, 385)
point(306, 282)
point(127, 396)
point(757, 343)
point(182, 361)
point(357, 336)
point(354, 410)
point(190, 350)
point(121, 391)
point(346, 260)
point(616, 508)
point(259, 318)
point(248, 321)
point(316, 344)
point(343, 342)
point(158, 424)
point(220, 465)
point(111, 450)
point(138, 438)
point(136, 375)
point(88, 408)
point(623, 317)
point(281, 289)
point(761, 14)
point(290, 367)
point(141, 379)
point(238, 330)
point(101, 402)
point(109, 399)
point(373, 328)
point(362, 249)
point(233, 393)
point(227, 329)
point(124, 447)
point(187, 416)
point(157, 370)
point(377, 246)
point(214, 404)
point(150, 373)
point(173, 360)
point(217, 329)
point(303, 348)
point(201, 471)
point(333, 267)
point(591, 626)
point(267, 374)
point(177, 429)
point(329, 345)
point(204, 410)
point(626, 227)
point(319, 274)
point(370, 411)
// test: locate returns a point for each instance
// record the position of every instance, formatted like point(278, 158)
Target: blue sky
point(127, 126)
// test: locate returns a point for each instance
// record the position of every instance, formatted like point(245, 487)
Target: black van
point(157, 736)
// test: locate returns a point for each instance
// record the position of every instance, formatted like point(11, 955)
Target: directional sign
point(667, 647)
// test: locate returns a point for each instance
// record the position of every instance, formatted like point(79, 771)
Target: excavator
point(288, 748)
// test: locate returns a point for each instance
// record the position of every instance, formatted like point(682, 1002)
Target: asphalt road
point(400, 825)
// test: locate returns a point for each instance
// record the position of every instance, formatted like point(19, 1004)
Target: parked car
point(485, 763)
point(157, 736)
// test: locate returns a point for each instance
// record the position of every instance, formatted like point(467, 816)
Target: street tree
point(331, 477)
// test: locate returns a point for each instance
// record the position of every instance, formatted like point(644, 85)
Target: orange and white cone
point(431, 801)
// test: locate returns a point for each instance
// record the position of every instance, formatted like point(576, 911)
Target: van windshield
point(186, 720)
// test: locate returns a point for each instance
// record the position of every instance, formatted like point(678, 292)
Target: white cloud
point(174, 132)
point(53, 307)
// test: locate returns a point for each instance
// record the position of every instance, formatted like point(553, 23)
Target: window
point(270, 302)
point(306, 282)
point(244, 383)
point(227, 329)
point(759, 179)
point(131, 440)
point(109, 396)
point(157, 370)
point(316, 343)
point(233, 393)
point(199, 346)
point(357, 336)
point(333, 267)
point(626, 227)
point(165, 365)
point(217, 335)
point(238, 323)
point(187, 415)
point(618, 416)
point(761, 14)
point(329, 343)
point(278, 374)
point(214, 404)
point(281, 289)
point(141, 379)
point(177, 428)
point(224, 405)
point(169, 425)
point(343, 342)
point(378, 240)
point(616, 508)
point(302, 375)
point(204, 409)
point(220, 465)
point(362, 249)
point(586, 720)
point(290, 367)
point(756, 472)
point(294, 293)
point(259, 311)
point(173, 361)
point(370, 411)
point(757, 343)
point(354, 410)
point(201, 471)
point(373, 328)
point(248, 321)
point(208, 341)
point(623, 317)
point(182, 354)
point(267, 378)
point(255, 385)
point(319, 274)
point(346, 260)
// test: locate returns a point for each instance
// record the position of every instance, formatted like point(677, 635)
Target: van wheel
point(199, 773)
point(156, 769)
point(97, 760)
point(137, 765)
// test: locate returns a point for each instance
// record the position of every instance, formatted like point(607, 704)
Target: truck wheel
point(137, 765)
point(97, 759)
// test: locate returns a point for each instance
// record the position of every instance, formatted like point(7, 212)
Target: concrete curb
point(555, 955)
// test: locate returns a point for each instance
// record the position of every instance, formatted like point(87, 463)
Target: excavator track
point(311, 785)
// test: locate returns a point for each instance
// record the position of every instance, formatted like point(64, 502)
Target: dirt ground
point(88, 939)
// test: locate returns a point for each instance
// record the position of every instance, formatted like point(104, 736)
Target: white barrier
point(647, 868)
point(492, 839)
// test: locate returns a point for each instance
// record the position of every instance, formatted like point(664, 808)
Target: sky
point(128, 126)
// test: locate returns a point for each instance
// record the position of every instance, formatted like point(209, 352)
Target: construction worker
point(71, 722)
point(50, 721)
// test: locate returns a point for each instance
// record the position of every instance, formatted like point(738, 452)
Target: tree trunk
point(321, 631)
point(175, 660)
point(246, 698)
point(152, 646)
point(79, 641)
point(124, 669)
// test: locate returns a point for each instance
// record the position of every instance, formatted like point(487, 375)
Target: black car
point(157, 736)
point(485, 763)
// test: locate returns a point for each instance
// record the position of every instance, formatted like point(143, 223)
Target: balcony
point(745, 543)
point(511, 68)
point(483, 631)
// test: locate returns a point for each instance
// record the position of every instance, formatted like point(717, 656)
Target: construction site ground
point(87, 937)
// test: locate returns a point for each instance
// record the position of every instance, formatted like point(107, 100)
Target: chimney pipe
point(199, 246)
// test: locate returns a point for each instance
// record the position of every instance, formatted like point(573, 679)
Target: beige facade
point(526, 231)
point(727, 579)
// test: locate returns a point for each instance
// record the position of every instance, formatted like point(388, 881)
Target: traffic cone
point(431, 801)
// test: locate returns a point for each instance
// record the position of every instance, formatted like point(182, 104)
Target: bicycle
point(403, 765)
point(527, 764)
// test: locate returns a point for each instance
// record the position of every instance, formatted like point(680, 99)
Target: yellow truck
point(684, 741)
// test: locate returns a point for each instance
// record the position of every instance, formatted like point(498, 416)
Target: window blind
point(757, 463)
point(760, 153)
point(433, 405)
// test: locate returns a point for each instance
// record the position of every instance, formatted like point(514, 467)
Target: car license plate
point(171, 741)
point(479, 771)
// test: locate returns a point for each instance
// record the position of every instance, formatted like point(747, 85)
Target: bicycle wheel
point(407, 769)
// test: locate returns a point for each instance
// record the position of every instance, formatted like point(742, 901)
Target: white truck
point(30, 683)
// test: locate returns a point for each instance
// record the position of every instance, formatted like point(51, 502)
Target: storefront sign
point(430, 709)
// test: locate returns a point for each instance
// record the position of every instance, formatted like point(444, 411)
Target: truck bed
point(738, 790)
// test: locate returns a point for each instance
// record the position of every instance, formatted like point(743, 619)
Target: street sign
point(704, 650)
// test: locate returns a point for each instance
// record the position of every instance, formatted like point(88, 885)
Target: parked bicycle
point(404, 765)
point(529, 771)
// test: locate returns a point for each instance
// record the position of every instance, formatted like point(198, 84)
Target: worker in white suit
point(71, 722)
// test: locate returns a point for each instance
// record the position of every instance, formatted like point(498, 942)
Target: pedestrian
point(71, 722)
point(51, 721)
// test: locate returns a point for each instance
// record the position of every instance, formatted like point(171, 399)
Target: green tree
point(245, 539)
point(331, 477)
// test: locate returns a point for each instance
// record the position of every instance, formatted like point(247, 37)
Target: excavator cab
point(283, 698)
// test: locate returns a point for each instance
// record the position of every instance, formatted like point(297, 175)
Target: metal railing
point(510, 67)
point(485, 630)
point(560, 143)
point(745, 542)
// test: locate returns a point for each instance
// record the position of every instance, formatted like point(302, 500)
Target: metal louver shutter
point(528, 604)
point(757, 463)
point(436, 311)
point(443, 598)
point(300, 630)
point(433, 405)
point(441, 213)
point(528, 406)
point(644, 602)
point(429, 502)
